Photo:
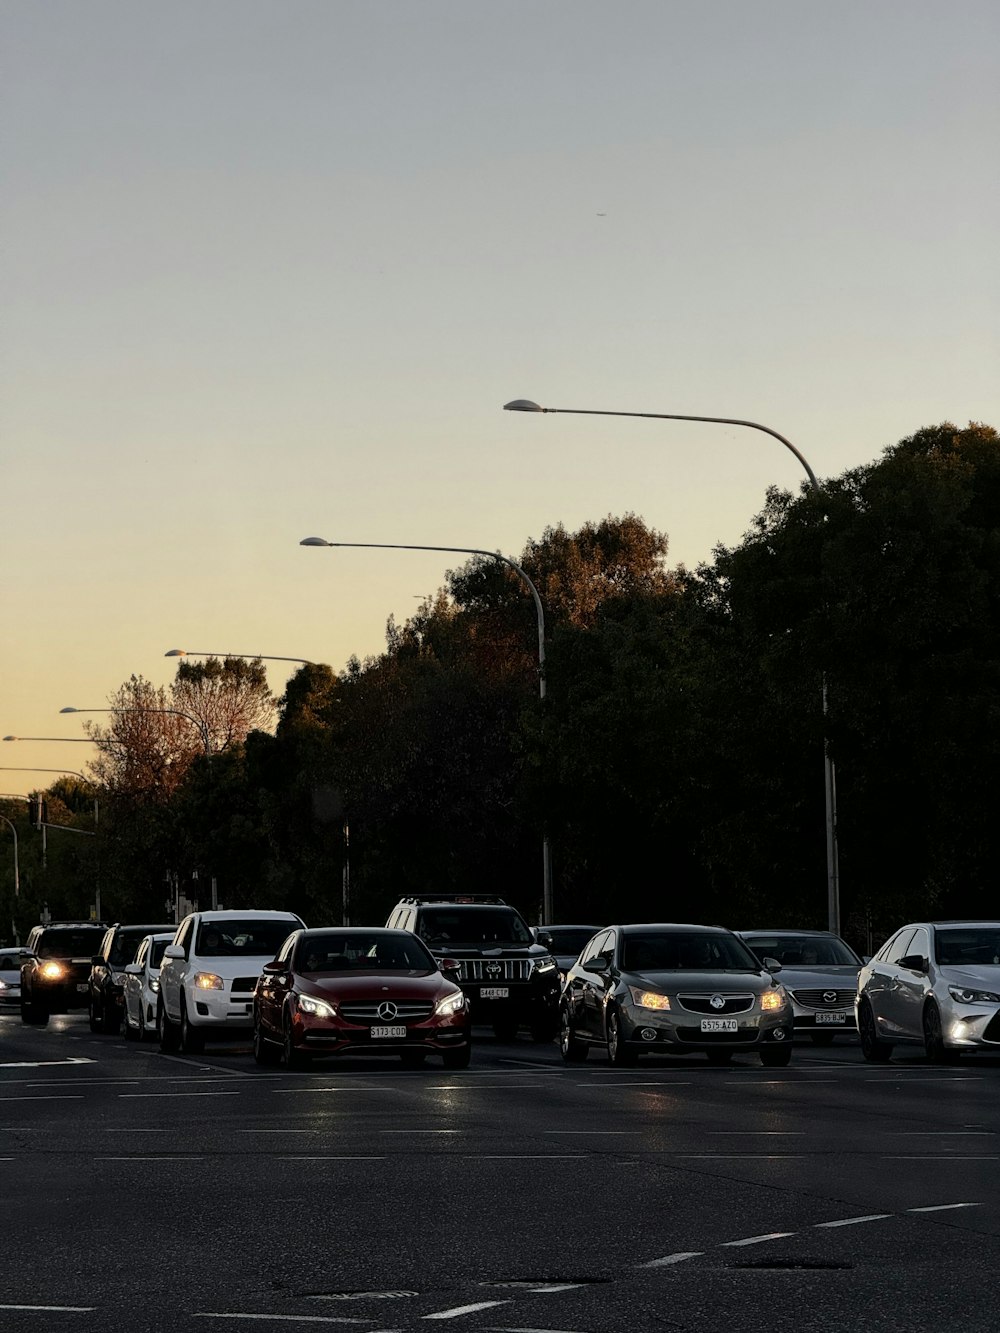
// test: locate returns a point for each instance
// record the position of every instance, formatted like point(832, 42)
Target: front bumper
point(645, 1030)
point(222, 1010)
point(969, 1027)
point(330, 1036)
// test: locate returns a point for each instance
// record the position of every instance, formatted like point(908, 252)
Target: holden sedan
point(359, 991)
point(936, 983)
point(672, 990)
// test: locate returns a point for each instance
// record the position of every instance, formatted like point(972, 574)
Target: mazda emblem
point(387, 1011)
point(829, 997)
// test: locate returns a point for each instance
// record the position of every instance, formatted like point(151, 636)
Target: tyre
point(458, 1059)
point(413, 1059)
point(821, 1038)
point(167, 1031)
point(505, 1029)
point(264, 1052)
point(775, 1057)
point(618, 1053)
point(294, 1058)
point(872, 1047)
point(572, 1049)
point(719, 1057)
point(937, 1052)
point(192, 1041)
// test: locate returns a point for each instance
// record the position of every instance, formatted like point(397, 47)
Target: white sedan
point(142, 988)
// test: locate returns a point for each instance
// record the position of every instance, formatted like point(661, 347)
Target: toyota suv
point(55, 974)
point(509, 980)
point(209, 973)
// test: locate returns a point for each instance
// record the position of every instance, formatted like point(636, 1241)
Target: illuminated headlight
point(53, 971)
point(965, 995)
point(773, 999)
point(450, 1004)
point(649, 999)
point(3, 985)
point(545, 964)
point(154, 984)
point(208, 981)
point(308, 1004)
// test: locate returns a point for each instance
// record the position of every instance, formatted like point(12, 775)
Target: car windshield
point(230, 939)
point(69, 944)
point(804, 950)
point(124, 946)
point(473, 925)
point(10, 962)
point(374, 951)
point(968, 947)
point(686, 951)
point(570, 939)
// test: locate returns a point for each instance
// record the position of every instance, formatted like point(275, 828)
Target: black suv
point(510, 981)
point(107, 973)
point(55, 977)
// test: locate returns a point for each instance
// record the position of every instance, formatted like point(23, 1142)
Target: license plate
point(389, 1033)
point(495, 992)
point(82, 987)
point(831, 1018)
point(719, 1025)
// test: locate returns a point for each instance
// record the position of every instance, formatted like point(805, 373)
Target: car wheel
point(937, 1052)
point(458, 1059)
point(192, 1041)
point(264, 1052)
point(413, 1059)
point(166, 1030)
point(719, 1057)
point(505, 1029)
point(294, 1058)
point(775, 1057)
point(821, 1038)
point(872, 1048)
point(618, 1053)
point(572, 1049)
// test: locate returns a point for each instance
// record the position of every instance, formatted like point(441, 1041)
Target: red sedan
point(359, 991)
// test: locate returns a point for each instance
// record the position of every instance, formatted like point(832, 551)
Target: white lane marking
point(498, 1328)
point(943, 1133)
point(533, 1064)
point(749, 1133)
point(132, 1096)
point(61, 1309)
point(941, 1078)
point(459, 1310)
point(408, 1131)
point(138, 1157)
point(44, 1064)
point(673, 1258)
point(294, 1090)
point(476, 1087)
point(286, 1318)
point(943, 1207)
point(344, 1157)
point(281, 1131)
point(737, 1156)
point(757, 1240)
point(47, 1098)
point(526, 1157)
point(614, 1133)
point(613, 1087)
point(854, 1221)
point(942, 1157)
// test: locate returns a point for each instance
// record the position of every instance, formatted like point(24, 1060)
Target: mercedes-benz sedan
point(359, 991)
point(672, 990)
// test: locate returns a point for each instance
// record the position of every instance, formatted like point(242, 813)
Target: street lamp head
point(315, 541)
point(523, 405)
point(69, 710)
point(176, 652)
point(12, 738)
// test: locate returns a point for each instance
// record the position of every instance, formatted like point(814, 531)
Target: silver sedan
point(936, 983)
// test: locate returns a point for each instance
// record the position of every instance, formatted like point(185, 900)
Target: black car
point(55, 976)
point(106, 997)
point(509, 980)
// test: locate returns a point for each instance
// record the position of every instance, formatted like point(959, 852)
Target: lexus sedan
point(820, 973)
point(671, 990)
point(359, 991)
point(935, 984)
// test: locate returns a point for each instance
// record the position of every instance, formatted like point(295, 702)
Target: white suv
point(208, 974)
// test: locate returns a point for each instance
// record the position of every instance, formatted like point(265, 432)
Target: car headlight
point(773, 999)
point(966, 995)
point(154, 984)
point(53, 971)
point(308, 1004)
point(208, 981)
point(545, 964)
point(450, 1004)
point(3, 985)
point(648, 999)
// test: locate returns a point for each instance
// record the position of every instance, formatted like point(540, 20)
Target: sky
point(270, 269)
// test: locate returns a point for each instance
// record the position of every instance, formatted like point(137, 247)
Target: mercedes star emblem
point(387, 1011)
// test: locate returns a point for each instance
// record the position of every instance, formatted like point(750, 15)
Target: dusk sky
point(271, 268)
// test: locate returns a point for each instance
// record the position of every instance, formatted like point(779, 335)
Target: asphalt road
point(149, 1192)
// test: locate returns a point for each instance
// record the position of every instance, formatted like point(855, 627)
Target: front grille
point(406, 1012)
point(244, 984)
point(495, 969)
point(717, 1038)
point(991, 1032)
point(818, 999)
point(702, 1004)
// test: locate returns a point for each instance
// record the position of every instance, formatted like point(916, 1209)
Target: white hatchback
point(209, 973)
point(142, 988)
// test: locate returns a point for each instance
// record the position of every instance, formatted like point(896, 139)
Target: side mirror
point(771, 964)
point(134, 970)
point(274, 969)
point(451, 967)
point(173, 951)
point(914, 962)
point(598, 964)
point(544, 938)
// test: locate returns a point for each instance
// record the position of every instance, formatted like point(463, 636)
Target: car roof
point(251, 913)
point(352, 930)
point(569, 925)
point(789, 930)
point(670, 925)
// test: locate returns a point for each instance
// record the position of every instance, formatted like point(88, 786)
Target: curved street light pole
point(832, 858)
point(252, 657)
point(547, 906)
point(202, 727)
point(73, 772)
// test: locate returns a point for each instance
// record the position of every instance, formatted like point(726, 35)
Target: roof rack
point(475, 898)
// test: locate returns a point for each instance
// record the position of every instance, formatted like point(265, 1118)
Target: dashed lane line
point(943, 1207)
point(54, 1309)
point(757, 1240)
point(854, 1221)
point(458, 1311)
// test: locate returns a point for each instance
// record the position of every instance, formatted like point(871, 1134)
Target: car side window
point(598, 945)
point(140, 957)
point(897, 947)
point(920, 943)
point(184, 938)
point(285, 952)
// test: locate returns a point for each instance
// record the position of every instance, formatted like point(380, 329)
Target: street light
point(74, 772)
point(254, 657)
point(540, 617)
point(832, 862)
point(173, 712)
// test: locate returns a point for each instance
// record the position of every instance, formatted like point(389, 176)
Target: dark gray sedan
point(669, 990)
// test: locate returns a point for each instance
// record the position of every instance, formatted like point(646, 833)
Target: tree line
point(676, 764)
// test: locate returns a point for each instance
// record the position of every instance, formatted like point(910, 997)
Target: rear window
point(69, 943)
point(231, 939)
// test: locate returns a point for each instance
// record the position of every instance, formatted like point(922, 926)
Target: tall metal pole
point(547, 903)
point(17, 879)
point(830, 777)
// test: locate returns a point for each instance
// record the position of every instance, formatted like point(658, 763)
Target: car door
point(134, 985)
point(272, 989)
point(912, 986)
point(174, 970)
point(883, 987)
point(579, 982)
point(595, 985)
